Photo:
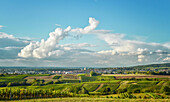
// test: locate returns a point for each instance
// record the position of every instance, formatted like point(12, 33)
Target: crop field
point(91, 86)
point(14, 78)
point(105, 82)
point(9, 78)
point(131, 87)
point(148, 82)
point(70, 76)
point(111, 86)
point(46, 78)
point(99, 88)
point(138, 76)
point(97, 78)
point(40, 77)
point(67, 78)
point(4, 80)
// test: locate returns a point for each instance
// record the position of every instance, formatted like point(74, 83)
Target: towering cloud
point(45, 48)
point(50, 46)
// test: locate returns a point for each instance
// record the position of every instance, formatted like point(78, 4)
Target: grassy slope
point(13, 78)
point(91, 87)
point(111, 86)
point(17, 78)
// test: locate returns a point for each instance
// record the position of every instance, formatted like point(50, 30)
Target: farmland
point(85, 87)
point(100, 87)
point(139, 76)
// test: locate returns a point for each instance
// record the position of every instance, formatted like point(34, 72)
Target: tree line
point(21, 93)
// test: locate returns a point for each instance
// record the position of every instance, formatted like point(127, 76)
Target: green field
point(83, 88)
point(97, 78)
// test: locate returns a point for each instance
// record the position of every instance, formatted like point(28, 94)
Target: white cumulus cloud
point(48, 48)
point(45, 48)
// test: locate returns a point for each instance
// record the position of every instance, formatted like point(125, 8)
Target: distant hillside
point(152, 65)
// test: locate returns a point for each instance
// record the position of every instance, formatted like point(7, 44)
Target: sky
point(84, 33)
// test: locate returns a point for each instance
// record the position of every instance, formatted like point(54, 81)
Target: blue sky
point(145, 21)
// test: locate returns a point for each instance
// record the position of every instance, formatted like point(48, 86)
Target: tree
point(43, 80)
point(92, 73)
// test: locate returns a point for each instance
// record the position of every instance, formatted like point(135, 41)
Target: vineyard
point(53, 86)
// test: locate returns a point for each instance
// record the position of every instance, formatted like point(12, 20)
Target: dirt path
point(101, 85)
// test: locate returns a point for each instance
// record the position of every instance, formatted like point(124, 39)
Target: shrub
point(121, 90)
point(107, 96)
point(144, 97)
point(57, 82)
point(136, 91)
point(50, 82)
point(56, 77)
point(139, 97)
point(93, 73)
point(114, 92)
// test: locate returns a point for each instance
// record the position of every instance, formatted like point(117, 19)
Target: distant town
point(154, 68)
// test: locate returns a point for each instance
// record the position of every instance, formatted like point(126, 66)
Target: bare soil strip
point(101, 85)
point(40, 77)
